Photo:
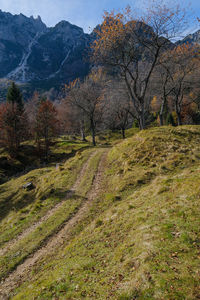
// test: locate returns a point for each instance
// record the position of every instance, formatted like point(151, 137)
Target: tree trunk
point(46, 148)
point(178, 113)
point(141, 122)
point(83, 132)
point(93, 133)
point(46, 143)
point(83, 136)
point(93, 137)
point(161, 111)
point(141, 116)
point(123, 133)
point(161, 119)
point(179, 118)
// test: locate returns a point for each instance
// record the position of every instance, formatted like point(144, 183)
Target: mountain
point(32, 53)
point(191, 38)
point(38, 57)
point(17, 34)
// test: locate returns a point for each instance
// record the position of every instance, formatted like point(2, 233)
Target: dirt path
point(17, 277)
point(50, 213)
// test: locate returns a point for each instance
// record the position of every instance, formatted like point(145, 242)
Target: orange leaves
point(73, 84)
point(111, 34)
point(46, 116)
point(13, 126)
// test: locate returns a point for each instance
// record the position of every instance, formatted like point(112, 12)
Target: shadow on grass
point(9, 203)
point(27, 160)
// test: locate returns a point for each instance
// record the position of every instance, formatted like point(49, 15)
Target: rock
point(28, 186)
point(57, 167)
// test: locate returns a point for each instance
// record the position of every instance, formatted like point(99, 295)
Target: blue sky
point(84, 13)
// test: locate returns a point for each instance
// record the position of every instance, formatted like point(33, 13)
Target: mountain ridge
point(31, 51)
point(40, 57)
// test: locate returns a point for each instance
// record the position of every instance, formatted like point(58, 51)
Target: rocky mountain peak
point(191, 38)
point(64, 27)
point(29, 51)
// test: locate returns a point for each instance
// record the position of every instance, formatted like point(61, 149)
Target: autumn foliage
point(13, 121)
point(134, 47)
point(45, 124)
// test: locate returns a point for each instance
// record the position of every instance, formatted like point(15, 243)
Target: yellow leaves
point(155, 104)
point(193, 106)
point(72, 85)
point(112, 33)
point(97, 75)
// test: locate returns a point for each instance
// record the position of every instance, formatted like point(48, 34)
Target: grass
point(110, 137)
point(89, 175)
point(36, 238)
point(21, 208)
point(28, 159)
point(140, 239)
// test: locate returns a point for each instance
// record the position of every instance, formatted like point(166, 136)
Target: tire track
point(50, 213)
point(17, 277)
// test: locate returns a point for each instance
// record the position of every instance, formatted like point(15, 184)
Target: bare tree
point(134, 47)
point(88, 97)
point(119, 107)
point(179, 66)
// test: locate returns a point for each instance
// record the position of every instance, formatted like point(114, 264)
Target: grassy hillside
point(27, 157)
point(140, 237)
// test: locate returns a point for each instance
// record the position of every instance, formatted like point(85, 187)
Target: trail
point(50, 213)
point(17, 277)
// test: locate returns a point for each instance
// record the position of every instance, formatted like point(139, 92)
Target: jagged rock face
point(45, 57)
point(191, 38)
point(29, 51)
point(16, 33)
point(60, 53)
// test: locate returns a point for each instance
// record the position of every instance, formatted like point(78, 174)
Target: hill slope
point(138, 238)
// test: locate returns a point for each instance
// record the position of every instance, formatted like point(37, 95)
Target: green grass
point(110, 137)
point(21, 208)
point(35, 239)
point(27, 157)
point(140, 239)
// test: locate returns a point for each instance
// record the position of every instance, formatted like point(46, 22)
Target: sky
point(84, 13)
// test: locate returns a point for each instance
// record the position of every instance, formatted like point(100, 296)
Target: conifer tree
point(13, 121)
point(14, 96)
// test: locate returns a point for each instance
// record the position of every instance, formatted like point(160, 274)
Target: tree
point(118, 114)
point(13, 127)
point(179, 65)
point(165, 90)
point(71, 118)
point(87, 96)
point(46, 123)
point(13, 120)
point(134, 46)
point(14, 96)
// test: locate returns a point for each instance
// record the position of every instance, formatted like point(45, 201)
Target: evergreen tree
point(13, 119)
point(14, 96)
